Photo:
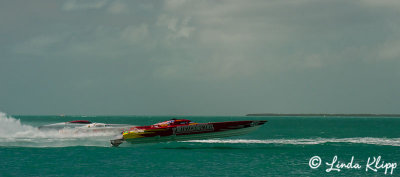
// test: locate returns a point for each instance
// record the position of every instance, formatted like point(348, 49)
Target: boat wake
point(312, 141)
point(14, 133)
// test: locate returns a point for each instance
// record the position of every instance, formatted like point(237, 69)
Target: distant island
point(327, 115)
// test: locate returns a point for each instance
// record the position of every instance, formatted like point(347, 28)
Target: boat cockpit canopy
point(173, 122)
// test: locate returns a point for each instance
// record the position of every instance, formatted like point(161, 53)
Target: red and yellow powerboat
point(184, 129)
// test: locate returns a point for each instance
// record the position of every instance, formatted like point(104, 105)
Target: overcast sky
point(178, 57)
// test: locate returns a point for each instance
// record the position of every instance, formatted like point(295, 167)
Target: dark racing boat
point(184, 129)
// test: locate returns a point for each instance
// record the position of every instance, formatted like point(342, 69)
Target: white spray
point(14, 133)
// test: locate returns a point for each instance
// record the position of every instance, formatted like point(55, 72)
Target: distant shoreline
point(327, 115)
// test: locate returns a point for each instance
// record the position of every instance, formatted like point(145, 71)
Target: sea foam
point(14, 133)
point(311, 141)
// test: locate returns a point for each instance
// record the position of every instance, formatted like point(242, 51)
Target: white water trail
point(11, 127)
point(14, 133)
point(355, 140)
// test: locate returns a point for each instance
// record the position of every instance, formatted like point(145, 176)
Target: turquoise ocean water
point(282, 147)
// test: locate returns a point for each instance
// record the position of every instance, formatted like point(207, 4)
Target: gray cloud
point(72, 5)
point(199, 57)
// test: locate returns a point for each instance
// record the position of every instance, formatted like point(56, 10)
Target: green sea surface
point(281, 147)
